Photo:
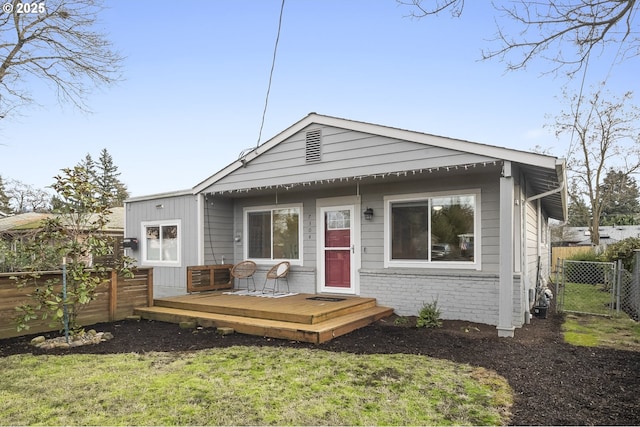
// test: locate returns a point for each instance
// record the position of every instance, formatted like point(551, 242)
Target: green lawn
point(586, 298)
point(249, 386)
point(596, 331)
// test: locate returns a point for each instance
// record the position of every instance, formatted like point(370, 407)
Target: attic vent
point(313, 147)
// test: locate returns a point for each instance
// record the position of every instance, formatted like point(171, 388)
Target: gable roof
point(545, 174)
point(522, 157)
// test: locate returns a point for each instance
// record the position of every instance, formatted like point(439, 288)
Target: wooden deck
point(301, 317)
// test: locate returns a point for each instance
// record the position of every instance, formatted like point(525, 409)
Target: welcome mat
point(330, 299)
point(248, 293)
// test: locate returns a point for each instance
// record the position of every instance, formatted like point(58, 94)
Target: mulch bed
point(554, 383)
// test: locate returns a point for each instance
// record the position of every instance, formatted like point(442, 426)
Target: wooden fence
point(116, 299)
point(566, 252)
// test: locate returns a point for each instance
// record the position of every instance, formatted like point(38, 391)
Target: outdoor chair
point(277, 273)
point(244, 270)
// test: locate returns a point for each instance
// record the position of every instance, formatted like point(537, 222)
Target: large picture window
point(273, 233)
point(161, 245)
point(432, 230)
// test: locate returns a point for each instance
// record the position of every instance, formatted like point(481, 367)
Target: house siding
point(167, 281)
point(219, 231)
point(420, 284)
point(345, 153)
point(367, 165)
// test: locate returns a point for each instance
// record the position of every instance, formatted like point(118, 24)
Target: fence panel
point(113, 301)
point(587, 287)
point(560, 253)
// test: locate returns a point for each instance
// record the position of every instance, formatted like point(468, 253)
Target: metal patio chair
point(276, 273)
point(245, 270)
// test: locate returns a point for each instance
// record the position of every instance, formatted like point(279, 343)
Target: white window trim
point(245, 227)
point(160, 223)
point(476, 264)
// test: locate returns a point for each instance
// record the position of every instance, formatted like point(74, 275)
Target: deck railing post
point(113, 295)
point(150, 287)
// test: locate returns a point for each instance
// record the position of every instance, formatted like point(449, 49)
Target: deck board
point(296, 308)
point(293, 317)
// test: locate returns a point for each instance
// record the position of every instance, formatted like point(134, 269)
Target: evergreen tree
point(89, 165)
point(5, 206)
point(622, 198)
point(113, 191)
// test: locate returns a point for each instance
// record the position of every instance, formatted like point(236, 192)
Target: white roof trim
point(517, 156)
point(159, 196)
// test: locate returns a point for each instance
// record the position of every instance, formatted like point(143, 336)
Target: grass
point(596, 331)
point(587, 298)
point(249, 386)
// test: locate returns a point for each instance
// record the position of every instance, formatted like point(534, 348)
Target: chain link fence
point(587, 287)
point(598, 288)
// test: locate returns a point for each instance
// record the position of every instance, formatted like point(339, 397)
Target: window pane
point(153, 243)
point(409, 230)
point(452, 228)
point(338, 220)
point(285, 233)
point(259, 234)
point(169, 243)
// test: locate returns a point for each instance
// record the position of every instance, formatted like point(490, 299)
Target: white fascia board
point(158, 196)
point(291, 130)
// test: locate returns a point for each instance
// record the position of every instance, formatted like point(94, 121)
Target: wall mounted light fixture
point(368, 214)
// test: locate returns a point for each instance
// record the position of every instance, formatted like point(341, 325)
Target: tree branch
point(61, 47)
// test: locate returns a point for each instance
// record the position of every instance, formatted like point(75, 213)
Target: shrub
point(624, 250)
point(429, 316)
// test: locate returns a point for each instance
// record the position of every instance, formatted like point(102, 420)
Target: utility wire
point(273, 64)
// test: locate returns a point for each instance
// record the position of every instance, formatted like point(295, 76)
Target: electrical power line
point(273, 64)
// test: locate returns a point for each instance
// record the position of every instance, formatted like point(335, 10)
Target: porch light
point(368, 214)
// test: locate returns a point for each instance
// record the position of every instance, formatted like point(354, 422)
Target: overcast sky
point(196, 76)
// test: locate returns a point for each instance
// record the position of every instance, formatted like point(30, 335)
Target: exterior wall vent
point(313, 146)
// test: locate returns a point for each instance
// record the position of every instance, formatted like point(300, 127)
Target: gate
point(587, 287)
point(599, 288)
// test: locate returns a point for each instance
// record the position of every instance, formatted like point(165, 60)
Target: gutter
point(546, 193)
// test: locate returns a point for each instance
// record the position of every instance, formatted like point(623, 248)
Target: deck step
point(305, 332)
point(299, 308)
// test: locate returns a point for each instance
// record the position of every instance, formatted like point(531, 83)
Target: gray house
point(369, 210)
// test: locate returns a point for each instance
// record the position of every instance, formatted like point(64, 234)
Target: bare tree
point(26, 198)
point(56, 41)
point(564, 32)
point(606, 138)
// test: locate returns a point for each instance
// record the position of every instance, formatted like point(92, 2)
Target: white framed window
point(161, 244)
point(432, 230)
point(273, 233)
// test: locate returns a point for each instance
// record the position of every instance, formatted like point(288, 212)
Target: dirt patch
point(554, 383)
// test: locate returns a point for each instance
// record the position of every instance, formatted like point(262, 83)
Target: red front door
point(338, 248)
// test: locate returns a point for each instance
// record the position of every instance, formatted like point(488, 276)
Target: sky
point(196, 73)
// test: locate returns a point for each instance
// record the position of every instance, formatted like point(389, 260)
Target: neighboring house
point(581, 236)
point(364, 209)
point(16, 227)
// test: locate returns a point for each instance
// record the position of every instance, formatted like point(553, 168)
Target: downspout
point(530, 199)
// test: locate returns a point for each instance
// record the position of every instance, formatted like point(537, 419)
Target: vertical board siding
point(168, 281)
